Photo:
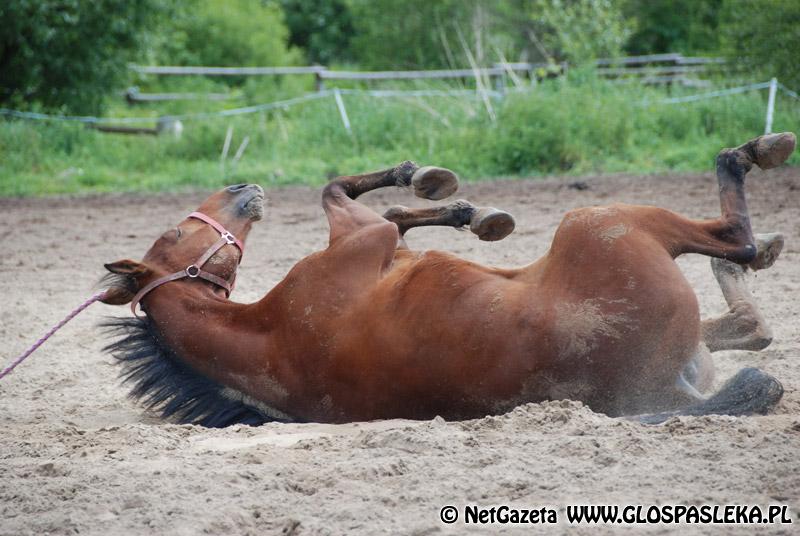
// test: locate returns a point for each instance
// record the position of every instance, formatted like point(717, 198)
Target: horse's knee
point(335, 191)
point(375, 242)
point(386, 233)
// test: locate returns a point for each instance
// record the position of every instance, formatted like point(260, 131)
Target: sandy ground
point(76, 456)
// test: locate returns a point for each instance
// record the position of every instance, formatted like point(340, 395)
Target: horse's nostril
point(237, 187)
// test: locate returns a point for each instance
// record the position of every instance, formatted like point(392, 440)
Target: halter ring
point(192, 270)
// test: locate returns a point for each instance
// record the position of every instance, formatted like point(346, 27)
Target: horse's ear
point(127, 267)
point(122, 283)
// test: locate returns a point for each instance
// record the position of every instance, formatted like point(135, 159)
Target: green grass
point(574, 126)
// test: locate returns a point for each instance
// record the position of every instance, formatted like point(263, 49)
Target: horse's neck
point(209, 334)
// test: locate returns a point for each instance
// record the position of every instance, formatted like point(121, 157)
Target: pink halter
point(194, 270)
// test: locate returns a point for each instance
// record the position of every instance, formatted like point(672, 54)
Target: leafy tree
point(582, 30)
point(763, 38)
point(687, 26)
point(422, 33)
point(411, 33)
point(67, 54)
point(322, 27)
point(226, 33)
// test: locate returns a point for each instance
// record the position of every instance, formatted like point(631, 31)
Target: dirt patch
point(76, 456)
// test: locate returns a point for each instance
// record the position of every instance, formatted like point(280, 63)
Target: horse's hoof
point(769, 247)
point(491, 224)
point(772, 150)
point(434, 183)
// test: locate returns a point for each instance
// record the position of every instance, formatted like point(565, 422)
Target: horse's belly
point(488, 351)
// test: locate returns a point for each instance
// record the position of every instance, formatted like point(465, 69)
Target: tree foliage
point(67, 54)
point(225, 33)
point(70, 54)
point(322, 28)
point(409, 34)
point(422, 33)
point(763, 38)
point(582, 30)
point(687, 26)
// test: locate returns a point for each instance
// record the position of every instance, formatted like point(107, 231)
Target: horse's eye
point(177, 232)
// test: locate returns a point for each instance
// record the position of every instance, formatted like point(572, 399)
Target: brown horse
point(368, 329)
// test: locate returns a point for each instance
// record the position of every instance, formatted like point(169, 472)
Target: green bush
point(226, 33)
point(762, 38)
point(323, 28)
point(577, 125)
point(687, 26)
point(68, 54)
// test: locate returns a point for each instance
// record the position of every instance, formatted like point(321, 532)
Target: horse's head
point(234, 208)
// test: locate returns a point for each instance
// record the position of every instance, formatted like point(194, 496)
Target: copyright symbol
point(449, 514)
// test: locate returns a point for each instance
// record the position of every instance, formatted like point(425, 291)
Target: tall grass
point(576, 126)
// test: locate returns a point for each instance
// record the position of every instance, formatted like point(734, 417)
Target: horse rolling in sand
point(369, 329)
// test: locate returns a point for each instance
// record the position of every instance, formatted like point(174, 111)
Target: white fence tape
point(247, 109)
point(714, 94)
point(788, 91)
point(183, 117)
point(388, 93)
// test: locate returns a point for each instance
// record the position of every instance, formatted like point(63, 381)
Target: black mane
point(163, 383)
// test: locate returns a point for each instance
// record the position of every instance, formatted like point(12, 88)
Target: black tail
point(165, 384)
point(749, 392)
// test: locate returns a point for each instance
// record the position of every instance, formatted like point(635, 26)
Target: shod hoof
point(772, 150)
point(769, 249)
point(434, 183)
point(491, 224)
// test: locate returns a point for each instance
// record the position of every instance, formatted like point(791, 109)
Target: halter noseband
point(195, 270)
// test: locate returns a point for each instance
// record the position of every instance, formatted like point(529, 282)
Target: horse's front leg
point(346, 215)
point(489, 224)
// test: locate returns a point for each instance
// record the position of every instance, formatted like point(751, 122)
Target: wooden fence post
point(319, 82)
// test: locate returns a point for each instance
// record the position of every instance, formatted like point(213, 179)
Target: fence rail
point(225, 71)
point(411, 75)
point(133, 96)
point(653, 68)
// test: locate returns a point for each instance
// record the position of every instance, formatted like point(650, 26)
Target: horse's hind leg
point(729, 237)
point(749, 392)
point(487, 223)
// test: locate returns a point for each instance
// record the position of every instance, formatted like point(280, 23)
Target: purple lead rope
point(47, 335)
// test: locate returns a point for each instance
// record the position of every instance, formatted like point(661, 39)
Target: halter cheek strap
point(220, 229)
point(195, 270)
